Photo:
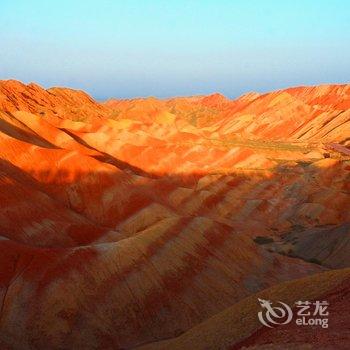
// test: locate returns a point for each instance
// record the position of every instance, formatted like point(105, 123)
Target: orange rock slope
point(129, 222)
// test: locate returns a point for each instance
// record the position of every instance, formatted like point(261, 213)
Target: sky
point(167, 48)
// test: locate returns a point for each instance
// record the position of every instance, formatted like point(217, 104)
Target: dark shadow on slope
point(106, 199)
point(113, 197)
point(327, 245)
point(26, 203)
point(107, 158)
point(22, 135)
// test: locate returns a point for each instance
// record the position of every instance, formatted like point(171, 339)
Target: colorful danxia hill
point(159, 224)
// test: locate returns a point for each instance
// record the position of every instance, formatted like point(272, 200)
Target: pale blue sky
point(163, 48)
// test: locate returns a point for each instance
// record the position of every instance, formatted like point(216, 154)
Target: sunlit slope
point(238, 327)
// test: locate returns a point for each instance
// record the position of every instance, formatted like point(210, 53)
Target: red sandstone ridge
point(158, 223)
point(54, 103)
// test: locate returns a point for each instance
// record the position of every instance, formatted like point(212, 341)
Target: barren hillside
point(159, 223)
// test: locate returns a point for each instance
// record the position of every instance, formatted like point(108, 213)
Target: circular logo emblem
point(274, 315)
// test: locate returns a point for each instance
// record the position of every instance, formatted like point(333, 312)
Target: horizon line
point(145, 97)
